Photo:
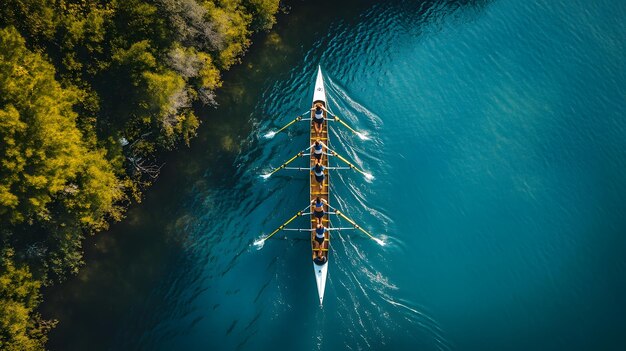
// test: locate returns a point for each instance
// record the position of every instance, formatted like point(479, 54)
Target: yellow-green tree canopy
point(90, 90)
point(21, 329)
point(43, 157)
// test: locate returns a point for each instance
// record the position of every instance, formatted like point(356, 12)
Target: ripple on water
point(480, 184)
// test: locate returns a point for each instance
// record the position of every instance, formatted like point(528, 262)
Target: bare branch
point(189, 19)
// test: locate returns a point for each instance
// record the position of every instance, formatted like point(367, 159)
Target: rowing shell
point(320, 253)
point(321, 271)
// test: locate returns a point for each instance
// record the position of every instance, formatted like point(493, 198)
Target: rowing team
point(317, 204)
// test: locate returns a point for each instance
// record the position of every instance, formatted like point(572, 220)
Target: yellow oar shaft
point(288, 124)
point(345, 125)
point(354, 224)
point(285, 164)
point(283, 225)
point(348, 163)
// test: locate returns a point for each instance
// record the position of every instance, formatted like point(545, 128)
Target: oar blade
point(272, 133)
point(259, 243)
point(361, 135)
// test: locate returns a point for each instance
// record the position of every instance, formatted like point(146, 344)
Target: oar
point(309, 169)
point(282, 226)
point(284, 165)
point(267, 175)
point(271, 134)
point(359, 134)
point(365, 174)
point(380, 242)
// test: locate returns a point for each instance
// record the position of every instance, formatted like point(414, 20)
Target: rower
point(318, 243)
point(318, 117)
point(318, 208)
point(318, 171)
point(318, 150)
point(319, 258)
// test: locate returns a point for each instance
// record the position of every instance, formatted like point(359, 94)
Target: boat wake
point(372, 307)
point(369, 306)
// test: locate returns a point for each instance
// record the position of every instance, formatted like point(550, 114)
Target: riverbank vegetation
point(90, 92)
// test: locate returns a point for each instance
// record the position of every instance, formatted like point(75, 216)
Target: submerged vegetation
point(90, 91)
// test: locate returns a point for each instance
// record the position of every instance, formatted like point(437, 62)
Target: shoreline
point(133, 255)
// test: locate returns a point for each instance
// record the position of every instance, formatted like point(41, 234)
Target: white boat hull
point(320, 278)
point(319, 95)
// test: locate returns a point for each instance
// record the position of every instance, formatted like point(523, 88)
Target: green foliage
point(165, 96)
point(263, 13)
point(20, 327)
point(208, 75)
point(44, 143)
point(91, 91)
point(45, 156)
point(135, 60)
point(36, 18)
point(82, 33)
point(232, 23)
point(136, 20)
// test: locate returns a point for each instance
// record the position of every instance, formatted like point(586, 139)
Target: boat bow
point(319, 94)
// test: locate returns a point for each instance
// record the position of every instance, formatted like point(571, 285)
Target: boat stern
point(320, 278)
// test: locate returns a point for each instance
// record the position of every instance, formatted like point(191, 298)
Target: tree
point(35, 17)
point(50, 179)
point(21, 329)
point(263, 13)
point(96, 89)
point(43, 144)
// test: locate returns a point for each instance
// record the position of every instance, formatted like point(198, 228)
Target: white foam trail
point(352, 103)
point(265, 176)
point(269, 135)
point(384, 240)
point(259, 243)
point(363, 136)
point(380, 242)
point(369, 176)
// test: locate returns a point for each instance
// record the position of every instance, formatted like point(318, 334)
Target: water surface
point(498, 138)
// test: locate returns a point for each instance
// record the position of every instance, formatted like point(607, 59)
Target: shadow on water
point(157, 256)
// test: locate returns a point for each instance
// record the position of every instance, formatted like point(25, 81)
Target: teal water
point(498, 138)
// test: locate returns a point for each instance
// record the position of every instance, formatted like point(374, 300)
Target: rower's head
point(317, 142)
point(320, 226)
point(318, 199)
